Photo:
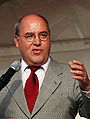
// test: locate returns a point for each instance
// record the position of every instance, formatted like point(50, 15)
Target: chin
point(38, 62)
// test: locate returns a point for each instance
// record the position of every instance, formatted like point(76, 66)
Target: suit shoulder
point(62, 66)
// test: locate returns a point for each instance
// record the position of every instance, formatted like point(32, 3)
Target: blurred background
point(69, 22)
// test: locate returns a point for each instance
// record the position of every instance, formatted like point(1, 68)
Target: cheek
point(25, 48)
point(47, 48)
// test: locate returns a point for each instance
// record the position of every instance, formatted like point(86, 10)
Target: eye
point(29, 35)
point(43, 34)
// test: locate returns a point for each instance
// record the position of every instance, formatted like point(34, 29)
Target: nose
point(37, 41)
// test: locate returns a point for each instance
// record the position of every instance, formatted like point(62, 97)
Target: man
point(59, 94)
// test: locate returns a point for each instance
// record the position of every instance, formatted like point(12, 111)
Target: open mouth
point(37, 51)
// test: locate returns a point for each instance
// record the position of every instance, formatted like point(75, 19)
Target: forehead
point(33, 23)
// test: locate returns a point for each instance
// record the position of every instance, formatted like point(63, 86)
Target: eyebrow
point(34, 33)
point(28, 33)
point(43, 32)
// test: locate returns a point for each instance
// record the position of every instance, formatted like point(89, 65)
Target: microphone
point(5, 78)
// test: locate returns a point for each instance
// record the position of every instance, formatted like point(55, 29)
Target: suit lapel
point(16, 90)
point(50, 84)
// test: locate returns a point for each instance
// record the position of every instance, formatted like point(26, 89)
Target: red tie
point(31, 88)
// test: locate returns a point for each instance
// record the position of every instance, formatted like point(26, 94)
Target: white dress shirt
point(40, 72)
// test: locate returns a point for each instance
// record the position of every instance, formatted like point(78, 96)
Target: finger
point(79, 78)
point(82, 82)
point(76, 66)
point(78, 62)
point(77, 72)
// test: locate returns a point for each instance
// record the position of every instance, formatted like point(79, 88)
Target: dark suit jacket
point(59, 96)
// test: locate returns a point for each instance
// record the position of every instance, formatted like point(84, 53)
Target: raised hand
point(79, 73)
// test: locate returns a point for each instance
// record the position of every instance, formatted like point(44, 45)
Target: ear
point(16, 41)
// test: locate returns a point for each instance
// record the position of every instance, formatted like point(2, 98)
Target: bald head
point(30, 16)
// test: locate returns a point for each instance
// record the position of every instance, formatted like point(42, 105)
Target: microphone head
point(16, 65)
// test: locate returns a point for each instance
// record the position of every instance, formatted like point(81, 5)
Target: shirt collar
point(23, 65)
point(45, 66)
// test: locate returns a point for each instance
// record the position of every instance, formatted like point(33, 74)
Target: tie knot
point(34, 68)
